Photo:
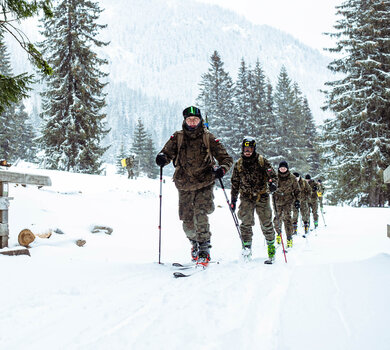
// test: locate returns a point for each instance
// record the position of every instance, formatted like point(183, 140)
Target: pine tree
point(216, 100)
point(286, 118)
point(74, 98)
point(151, 168)
point(14, 88)
point(139, 148)
point(242, 98)
point(16, 133)
point(357, 139)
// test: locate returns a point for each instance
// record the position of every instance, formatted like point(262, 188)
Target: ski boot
point(315, 224)
point(278, 238)
point(271, 252)
point(194, 250)
point(247, 250)
point(204, 254)
point(289, 243)
point(295, 228)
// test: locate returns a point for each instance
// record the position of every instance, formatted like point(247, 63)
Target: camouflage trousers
point(313, 206)
point(194, 206)
point(283, 215)
point(246, 213)
point(304, 210)
point(321, 203)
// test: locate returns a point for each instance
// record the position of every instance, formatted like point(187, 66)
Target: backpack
point(206, 141)
point(239, 162)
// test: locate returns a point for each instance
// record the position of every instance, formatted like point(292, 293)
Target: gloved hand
point(272, 187)
point(233, 204)
point(161, 159)
point(219, 172)
point(315, 188)
point(297, 204)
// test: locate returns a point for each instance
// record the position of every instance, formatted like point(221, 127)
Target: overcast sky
point(304, 19)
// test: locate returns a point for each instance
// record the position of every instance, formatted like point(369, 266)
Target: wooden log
point(25, 179)
point(16, 252)
point(386, 175)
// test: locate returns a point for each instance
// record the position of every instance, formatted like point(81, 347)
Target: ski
point(190, 265)
point(269, 261)
point(198, 268)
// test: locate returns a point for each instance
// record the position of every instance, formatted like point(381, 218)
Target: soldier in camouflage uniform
point(284, 197)
point(304, 198)
point(192, 151)
point(320, 193)
point(313, 203)
point(252, 174)
point(129, 167)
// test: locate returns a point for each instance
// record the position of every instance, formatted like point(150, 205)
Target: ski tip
point(269, 261)
point(179, 274)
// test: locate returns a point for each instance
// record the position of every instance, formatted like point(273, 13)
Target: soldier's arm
point(235, 183)
point(170, 148)
point(220, 154)
point(271, 174)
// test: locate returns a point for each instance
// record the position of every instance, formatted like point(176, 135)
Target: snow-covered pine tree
point(286, 119)
point(357, 139)
point(242, 99)
point(73, 100)
point(150, 166)
point(139, 148)
point(310, 141)
point(16, 133)
point(257, 100)
point(216, 100)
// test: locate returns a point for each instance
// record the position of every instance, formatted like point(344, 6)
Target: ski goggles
point(192, 111)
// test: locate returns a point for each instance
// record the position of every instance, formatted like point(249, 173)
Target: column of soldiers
point(195, 152)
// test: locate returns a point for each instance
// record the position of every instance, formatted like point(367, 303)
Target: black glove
point(233, 204)
point(272, 187)
point(161, 159)
point(315, 188)
point(297, 204)
point(219, 172)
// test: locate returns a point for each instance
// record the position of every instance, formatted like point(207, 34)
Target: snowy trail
point(111, 294)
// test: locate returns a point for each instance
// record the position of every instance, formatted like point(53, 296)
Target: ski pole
point(280, 227)
point(159, 222)
point(232, 212)
point(322, 214)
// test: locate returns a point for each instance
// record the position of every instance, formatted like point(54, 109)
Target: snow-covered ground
point(112, 294)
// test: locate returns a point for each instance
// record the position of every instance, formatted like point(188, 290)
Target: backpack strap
point(179, 143)
point(206, 141)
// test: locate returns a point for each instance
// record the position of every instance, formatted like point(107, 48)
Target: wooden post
point(7, 177)
point(4, 204)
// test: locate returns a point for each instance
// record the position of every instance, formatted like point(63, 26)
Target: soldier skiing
point(304, 198)
point(253, 177)
point(285, 196)
point(313, 203)
point(130, 166)
point(320, 193)
point(193, 151)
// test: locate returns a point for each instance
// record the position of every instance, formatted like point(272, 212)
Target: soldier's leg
point(315, 213)
point(246, 215)
point(295, 213)
point(305, 212)
point(186, 213)
point(287, 220)
point(264, 212)
point(278, 220)
point(203, 206)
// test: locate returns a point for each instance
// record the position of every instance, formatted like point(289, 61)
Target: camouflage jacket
point(288, 189)
point(193, 162)
point(251, 178)
point(314, 188)
point(305, 190)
